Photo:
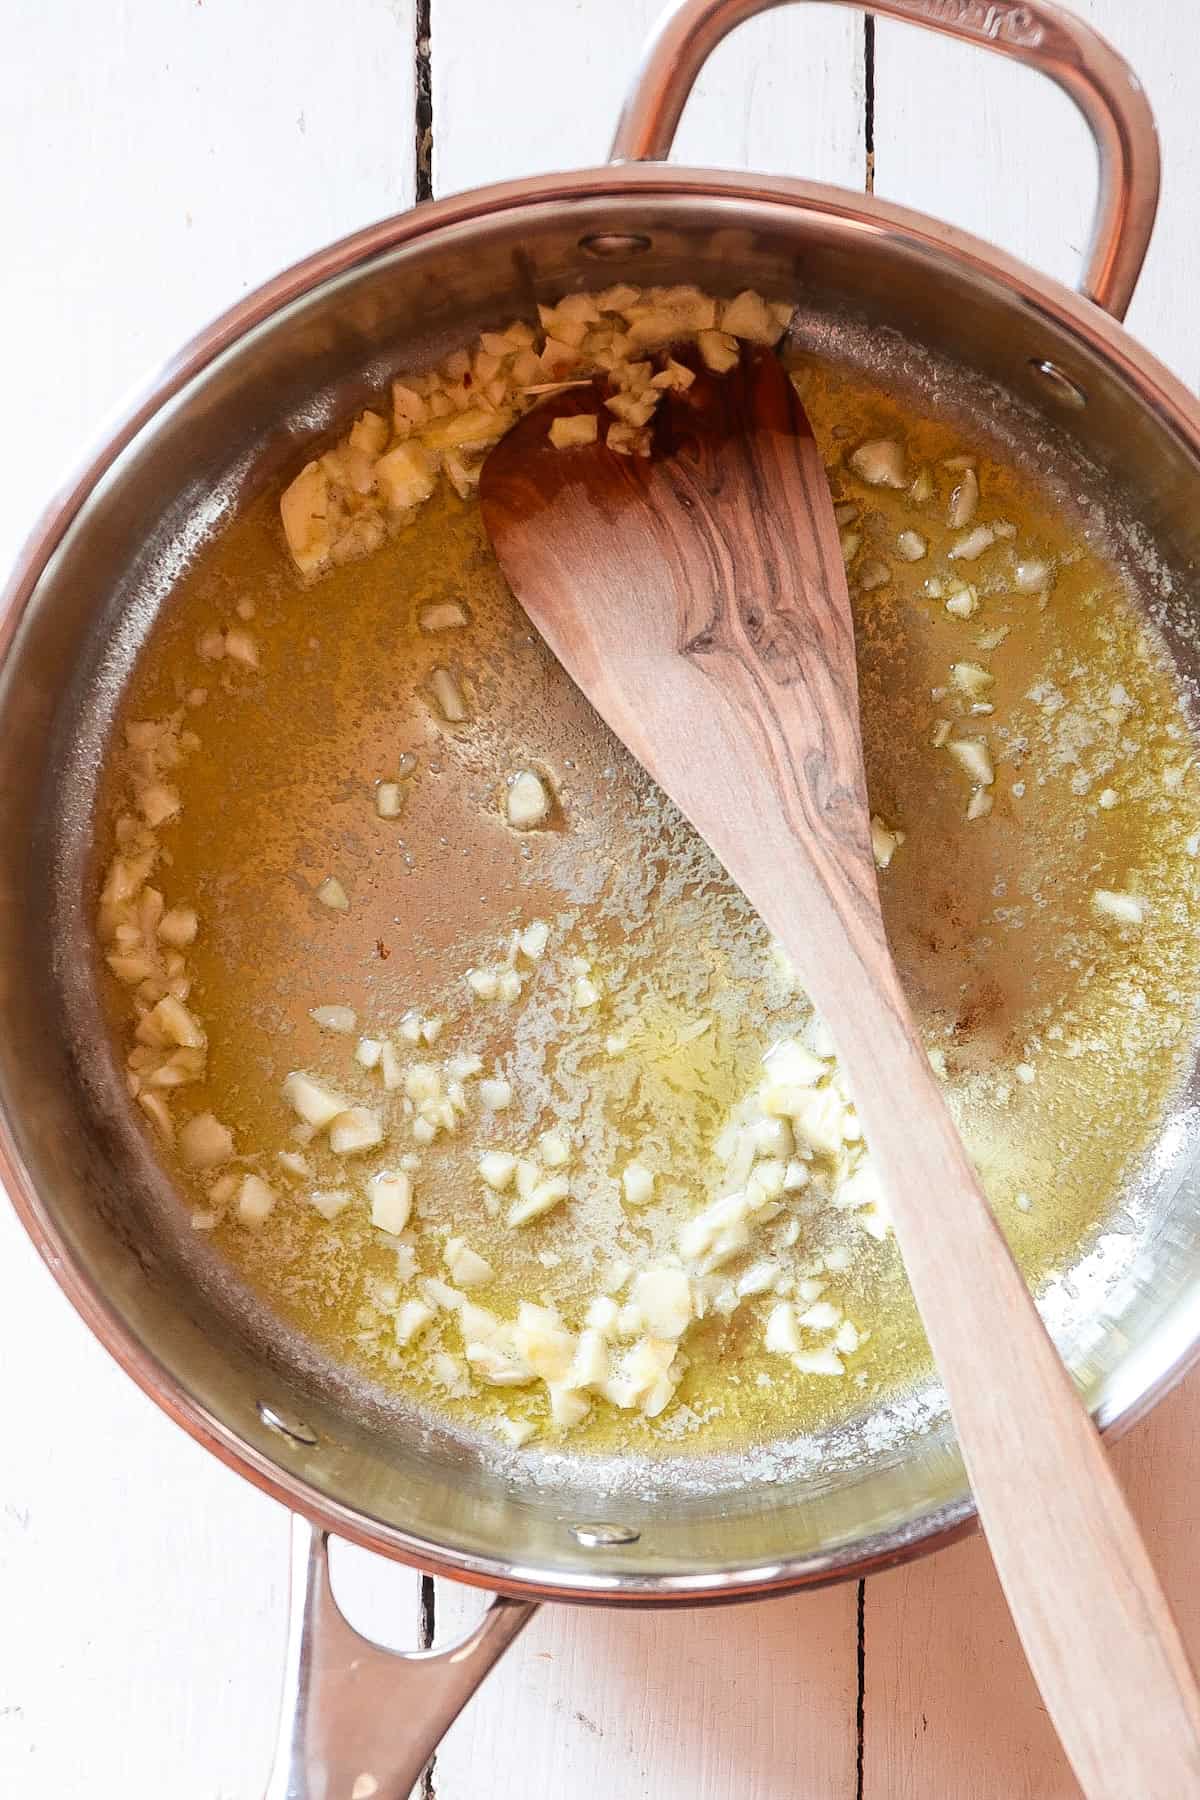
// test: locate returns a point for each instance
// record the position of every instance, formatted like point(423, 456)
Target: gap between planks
point(423, 102)
point(423, 190)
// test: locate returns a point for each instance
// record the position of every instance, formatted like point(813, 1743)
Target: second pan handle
point(1078, 59)
point(360, 1722)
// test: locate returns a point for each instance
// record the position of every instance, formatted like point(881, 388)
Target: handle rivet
point(610, 244)
point(599, 1536)
point(287, 1424)
point(1058, 384)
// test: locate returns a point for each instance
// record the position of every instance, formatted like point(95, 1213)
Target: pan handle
point(360, 1722)
point(1100, 82)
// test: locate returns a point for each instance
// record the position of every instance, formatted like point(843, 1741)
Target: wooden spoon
point(698, 598)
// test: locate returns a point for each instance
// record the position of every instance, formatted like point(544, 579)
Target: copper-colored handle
point(357, 1719)
point(1100, 82)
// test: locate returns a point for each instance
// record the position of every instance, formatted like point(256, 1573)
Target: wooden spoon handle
point(1101, 1641)
point(1095, 1624)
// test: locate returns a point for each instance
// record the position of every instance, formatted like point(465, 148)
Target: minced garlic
point(793, 1145)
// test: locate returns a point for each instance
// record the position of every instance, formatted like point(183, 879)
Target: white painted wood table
point(157, 158)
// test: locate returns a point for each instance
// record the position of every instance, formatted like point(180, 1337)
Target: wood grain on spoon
point(699, 599)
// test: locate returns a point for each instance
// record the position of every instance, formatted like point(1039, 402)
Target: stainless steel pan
point(228, 417)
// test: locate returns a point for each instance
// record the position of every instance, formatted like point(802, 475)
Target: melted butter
point(991, 921)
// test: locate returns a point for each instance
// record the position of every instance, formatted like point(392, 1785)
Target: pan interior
point(894, 1469)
